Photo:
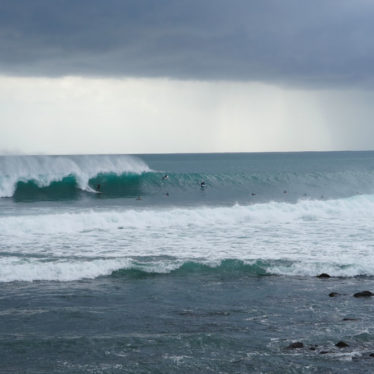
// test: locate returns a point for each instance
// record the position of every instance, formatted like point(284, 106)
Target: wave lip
point(42, 171)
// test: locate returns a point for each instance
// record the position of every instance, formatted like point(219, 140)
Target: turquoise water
point(158, 275)
point(229, 177)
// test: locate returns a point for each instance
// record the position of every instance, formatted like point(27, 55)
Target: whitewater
point(292, 232)
point(309, 236)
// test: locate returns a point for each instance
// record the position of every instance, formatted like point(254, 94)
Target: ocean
point(187, 263)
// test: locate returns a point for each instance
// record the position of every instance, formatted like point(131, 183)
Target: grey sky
point(319, 42)
point(136, 76)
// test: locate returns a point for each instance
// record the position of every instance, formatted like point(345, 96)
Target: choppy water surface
point(107, 265)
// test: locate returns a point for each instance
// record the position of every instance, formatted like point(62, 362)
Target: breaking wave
point(35, 177)
point(62, 271)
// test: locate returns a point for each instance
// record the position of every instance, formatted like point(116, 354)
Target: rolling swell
point(15, 269)
point(112, 185)
point(108, 184)
point(223, 187)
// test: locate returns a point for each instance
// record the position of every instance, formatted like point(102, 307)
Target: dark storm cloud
point(320, 41)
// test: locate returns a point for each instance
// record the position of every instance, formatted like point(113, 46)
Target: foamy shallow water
point(334, 236)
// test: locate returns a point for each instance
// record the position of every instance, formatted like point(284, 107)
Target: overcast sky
point(89, 76)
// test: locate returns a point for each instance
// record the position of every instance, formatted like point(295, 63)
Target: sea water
point(119, 263)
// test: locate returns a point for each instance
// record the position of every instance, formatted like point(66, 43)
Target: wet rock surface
point(296, 345)
point(334, 294)
point(363, 294)
point(341, 344)
point(323, 275)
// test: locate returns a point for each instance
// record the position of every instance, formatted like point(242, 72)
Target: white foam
point(32, 270)
point(70, 269)
point(44, 170)
point(306, 238)
point(337, 269)
point(350, 210)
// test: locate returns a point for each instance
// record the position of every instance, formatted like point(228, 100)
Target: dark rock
point(363, 294)
point(313, 347)
point(333, 294)
point(341, 344)
point(371, 355)
point(296, 345)
point(323, 275)
point(350, 319)
point(323, 352)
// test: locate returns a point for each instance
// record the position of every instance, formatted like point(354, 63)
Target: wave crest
point(28, 174)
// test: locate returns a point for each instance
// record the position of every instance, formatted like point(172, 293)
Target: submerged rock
point(363, 294)
point(341, 344)
point(350, 319)
point(333, 294)
point(323, 275)
point(296, 345)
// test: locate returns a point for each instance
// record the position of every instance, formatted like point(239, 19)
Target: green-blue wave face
point(176, 179)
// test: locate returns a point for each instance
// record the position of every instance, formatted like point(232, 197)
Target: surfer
point(202, 185)
point(139, 198)
point(165, 177)
point(98, 188)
